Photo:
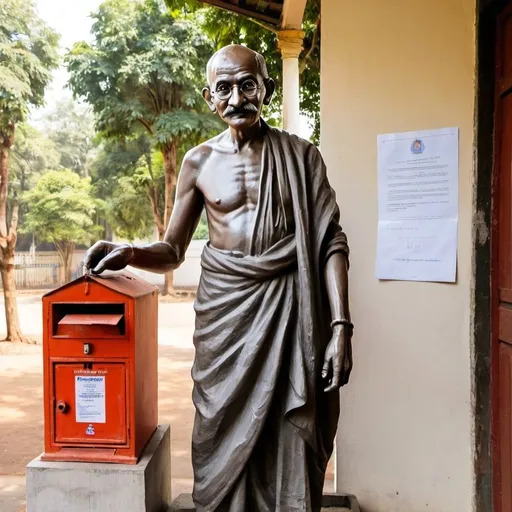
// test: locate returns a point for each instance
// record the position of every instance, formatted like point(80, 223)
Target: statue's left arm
point(337, 363)
point(338, 355)
point(167, 254)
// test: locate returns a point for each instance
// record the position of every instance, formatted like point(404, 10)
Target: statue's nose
point(237, 98)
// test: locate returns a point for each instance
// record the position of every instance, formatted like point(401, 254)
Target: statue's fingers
point(326, 366)
point(347, 368)
point(104, 264)
point(335, 382)
point(93, 256)
point(99, 268)
point(115, 260)
point(345, 376)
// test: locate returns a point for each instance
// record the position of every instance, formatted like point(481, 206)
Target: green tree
point(31, 154)
point(28, 54)
point(71, 128)
point(61, 210)
point(144, 70)
point(129, 181)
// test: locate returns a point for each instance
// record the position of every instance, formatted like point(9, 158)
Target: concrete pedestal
point(96, 487)
point(331, 502)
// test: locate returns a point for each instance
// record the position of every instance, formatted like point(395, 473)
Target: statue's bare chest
point(229, 182)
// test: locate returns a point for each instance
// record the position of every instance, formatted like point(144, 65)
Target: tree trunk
point(8, 242)
point(170, 171)
point(168, 276)
point(66, 250)
point(11, 306)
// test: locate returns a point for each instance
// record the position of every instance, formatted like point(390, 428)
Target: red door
point(502, 269)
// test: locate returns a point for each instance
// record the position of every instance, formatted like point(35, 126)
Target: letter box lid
point(88, 319)
point(124, 282)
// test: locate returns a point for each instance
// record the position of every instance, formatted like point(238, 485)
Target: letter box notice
point(90, 399)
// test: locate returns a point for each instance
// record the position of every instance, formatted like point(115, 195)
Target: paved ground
point(21, 408)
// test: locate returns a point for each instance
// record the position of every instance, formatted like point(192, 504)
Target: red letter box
point(100, 369)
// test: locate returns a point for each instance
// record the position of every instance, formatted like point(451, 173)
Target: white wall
point(405, 437)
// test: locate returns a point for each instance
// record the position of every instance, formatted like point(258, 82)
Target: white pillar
point(290, 44)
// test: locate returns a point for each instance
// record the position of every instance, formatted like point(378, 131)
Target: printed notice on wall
point(90, 399)
point(418, 205)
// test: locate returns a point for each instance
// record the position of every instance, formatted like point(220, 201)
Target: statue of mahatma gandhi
point(273, 330)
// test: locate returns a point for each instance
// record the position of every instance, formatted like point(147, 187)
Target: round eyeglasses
point(249, 89)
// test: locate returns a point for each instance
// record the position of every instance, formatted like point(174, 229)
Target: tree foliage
point(141, 72)
point(121, 178)
point(61, 210)
point(71, 127)
point(28, 54)
point(31, 154)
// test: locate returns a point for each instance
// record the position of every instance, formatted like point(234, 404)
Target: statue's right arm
point(168, 254)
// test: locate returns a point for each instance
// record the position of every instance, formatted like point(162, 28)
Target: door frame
point(485, 362)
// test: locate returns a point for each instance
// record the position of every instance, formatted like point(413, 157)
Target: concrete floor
point(21, 408)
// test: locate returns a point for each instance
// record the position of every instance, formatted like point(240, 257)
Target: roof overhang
point(268, 11)
point(282, 14)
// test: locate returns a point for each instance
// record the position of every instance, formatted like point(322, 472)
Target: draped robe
point(264, 428)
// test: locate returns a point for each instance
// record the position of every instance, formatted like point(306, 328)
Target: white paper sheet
point(90, 399)
point(418, 205)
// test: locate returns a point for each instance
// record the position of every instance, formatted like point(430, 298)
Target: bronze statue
point(273, 330)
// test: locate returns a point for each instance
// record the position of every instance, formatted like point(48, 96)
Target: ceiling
point(269, 11)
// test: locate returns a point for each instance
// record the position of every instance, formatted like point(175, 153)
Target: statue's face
point(237, 89)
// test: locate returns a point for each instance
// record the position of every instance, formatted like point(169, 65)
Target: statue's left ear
point(207, 95)
point(270, 87)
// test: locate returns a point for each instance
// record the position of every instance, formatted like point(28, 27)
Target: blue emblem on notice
point(417, 147)
point(90, 431)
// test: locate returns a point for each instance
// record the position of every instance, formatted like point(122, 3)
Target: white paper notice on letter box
point(90, 399)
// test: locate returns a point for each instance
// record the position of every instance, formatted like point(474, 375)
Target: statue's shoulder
point(301, 145)
point(196, 157)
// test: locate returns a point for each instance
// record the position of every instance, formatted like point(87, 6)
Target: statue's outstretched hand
point(106, 256)
point(338, 359)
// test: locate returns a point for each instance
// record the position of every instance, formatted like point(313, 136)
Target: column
point(290, 44)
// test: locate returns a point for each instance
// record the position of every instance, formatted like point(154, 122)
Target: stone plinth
point(332, 503)
point(97, 487)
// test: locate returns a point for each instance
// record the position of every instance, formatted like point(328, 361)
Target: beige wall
point(405, 437)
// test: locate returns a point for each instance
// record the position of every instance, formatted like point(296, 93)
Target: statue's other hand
point(338, 359)
point(106, 256)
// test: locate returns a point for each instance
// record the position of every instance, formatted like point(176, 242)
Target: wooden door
point(502, 269)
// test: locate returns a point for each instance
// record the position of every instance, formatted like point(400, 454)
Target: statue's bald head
point(235, 55)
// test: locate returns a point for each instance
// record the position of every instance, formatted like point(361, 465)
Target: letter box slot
point(88, 320)
point(90, 326)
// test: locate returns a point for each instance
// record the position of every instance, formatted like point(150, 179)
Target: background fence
point(42, 270)
point(33, 270)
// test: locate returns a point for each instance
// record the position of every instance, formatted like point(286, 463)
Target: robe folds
point(264, 428)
